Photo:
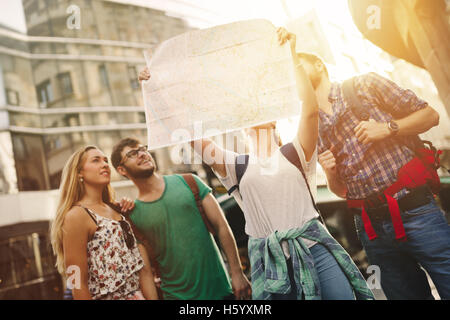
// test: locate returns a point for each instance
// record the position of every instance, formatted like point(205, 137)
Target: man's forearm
point(229, 247)
point(146, 277)
point(418, 122)
point(336, 185)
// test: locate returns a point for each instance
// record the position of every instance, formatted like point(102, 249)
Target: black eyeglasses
point(127, 234)
point(133, 153)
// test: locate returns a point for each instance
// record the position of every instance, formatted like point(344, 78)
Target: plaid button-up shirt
point(367, 169)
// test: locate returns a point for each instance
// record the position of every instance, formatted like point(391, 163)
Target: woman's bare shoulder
point(76, 217)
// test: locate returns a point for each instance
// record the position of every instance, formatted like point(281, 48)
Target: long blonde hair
point(71, 191)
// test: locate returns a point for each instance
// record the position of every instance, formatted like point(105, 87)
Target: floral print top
point(113, 268)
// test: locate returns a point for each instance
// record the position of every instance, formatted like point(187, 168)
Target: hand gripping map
point(213, 81)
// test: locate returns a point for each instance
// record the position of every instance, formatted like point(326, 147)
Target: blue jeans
point(68, 295)
point(427, 245)
point(334, 284)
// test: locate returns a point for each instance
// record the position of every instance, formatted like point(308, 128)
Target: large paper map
point(222, 79)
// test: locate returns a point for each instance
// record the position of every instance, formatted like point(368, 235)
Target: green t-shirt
point(189, 260)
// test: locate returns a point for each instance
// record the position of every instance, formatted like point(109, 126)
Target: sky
point(208, 12)
point(11, 14)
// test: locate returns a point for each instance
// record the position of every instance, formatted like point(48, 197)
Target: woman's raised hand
point(284, 35)
point(144, 75)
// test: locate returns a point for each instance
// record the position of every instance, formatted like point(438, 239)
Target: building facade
point(71, 81)
point(68, 87)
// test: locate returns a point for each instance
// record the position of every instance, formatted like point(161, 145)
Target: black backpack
point(290, 153)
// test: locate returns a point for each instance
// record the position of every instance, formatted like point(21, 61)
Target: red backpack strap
point(189, 178)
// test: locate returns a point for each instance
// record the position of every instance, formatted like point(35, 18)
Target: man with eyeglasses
point(167, 216)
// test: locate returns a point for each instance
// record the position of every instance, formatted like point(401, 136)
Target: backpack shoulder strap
point(240, 165)
point(290, 153)
point(189, 178)
point(348, 89)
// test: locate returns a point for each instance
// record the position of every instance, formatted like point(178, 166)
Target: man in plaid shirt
point(361, 159)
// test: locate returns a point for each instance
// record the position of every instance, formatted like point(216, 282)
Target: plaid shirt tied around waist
point(367, 169)
point(269, 267)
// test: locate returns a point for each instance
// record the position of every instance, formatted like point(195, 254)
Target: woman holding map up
point(292, 255)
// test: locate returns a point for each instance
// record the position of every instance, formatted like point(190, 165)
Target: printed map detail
point(226, 78)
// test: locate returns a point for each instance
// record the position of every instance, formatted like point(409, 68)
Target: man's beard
point(140, 174)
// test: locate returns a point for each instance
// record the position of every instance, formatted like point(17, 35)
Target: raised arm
point(212, 155)
point(308, 127)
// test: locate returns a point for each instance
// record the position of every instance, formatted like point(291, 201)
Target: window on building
point(31, 7)
point(141, 116)
point(27, 268)
point(132, 73)
point(24, 259)
point(20, 149)
point(103, 76)
point(55, 142)
point(45, 93)
point(55, 179)
point(12, 97)
point(5, 265)
point(71, 120)
point(65, 82)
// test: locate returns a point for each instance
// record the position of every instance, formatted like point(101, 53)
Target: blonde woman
point(93, 243)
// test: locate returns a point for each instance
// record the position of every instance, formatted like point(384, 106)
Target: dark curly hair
point(116, 155)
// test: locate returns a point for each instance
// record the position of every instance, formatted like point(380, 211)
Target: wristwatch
point(393, 127)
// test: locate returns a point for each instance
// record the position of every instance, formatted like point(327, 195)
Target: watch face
point(393, 125)
point(365, 115)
